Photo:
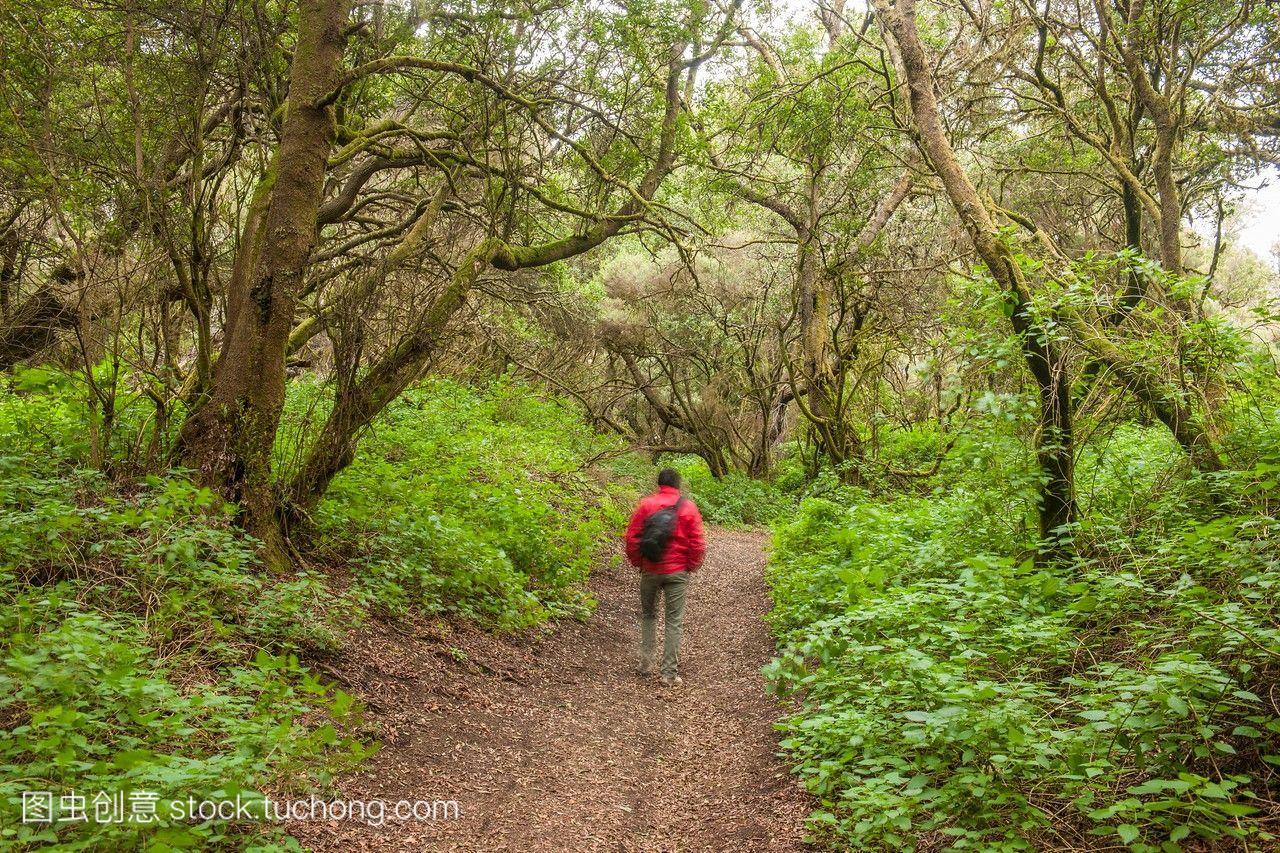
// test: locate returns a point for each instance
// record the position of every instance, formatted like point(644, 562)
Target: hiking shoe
point(645, 668)
point(671, 681)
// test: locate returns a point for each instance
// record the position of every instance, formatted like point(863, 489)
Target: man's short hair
point(669, 477)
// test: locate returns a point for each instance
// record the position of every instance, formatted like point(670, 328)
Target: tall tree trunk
point(228, 440)
point(775, 423)
point(1170, 203)
point(8, 269)
point(1134, 287)
point(1054, 439)
point(1167, 126)
point(824, 362)
point(813, 309)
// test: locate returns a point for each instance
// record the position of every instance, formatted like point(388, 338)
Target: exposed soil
point(552, 741)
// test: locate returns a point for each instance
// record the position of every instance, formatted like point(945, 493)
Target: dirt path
point(557, 744)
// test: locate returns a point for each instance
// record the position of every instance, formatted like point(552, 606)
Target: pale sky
point(1259, 226)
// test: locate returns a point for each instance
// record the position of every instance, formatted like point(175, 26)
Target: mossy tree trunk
point(1055, 451)
point(228, 440)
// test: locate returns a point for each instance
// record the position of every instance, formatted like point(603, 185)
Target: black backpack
point(656, 533)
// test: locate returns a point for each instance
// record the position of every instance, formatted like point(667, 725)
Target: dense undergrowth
point(480, 504)
point(736, 500)
point(143, 648)
point(956, 693)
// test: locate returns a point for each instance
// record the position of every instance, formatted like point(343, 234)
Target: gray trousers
point(673, 588)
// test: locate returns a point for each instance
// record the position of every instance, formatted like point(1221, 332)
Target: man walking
point(664, 541)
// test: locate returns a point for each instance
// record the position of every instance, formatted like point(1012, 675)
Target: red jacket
point(686, 548)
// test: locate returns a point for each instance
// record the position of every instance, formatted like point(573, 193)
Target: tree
point(829, 169)
point(1055, 443)
point(228, 440)
point(230, 436)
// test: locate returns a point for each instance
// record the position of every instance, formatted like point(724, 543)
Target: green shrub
point(102, 710)
point(947, 685)
point(473, 501)
point(142, 649)
point(734, 500)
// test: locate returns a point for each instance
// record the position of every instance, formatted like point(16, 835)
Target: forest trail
point(555, 743)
